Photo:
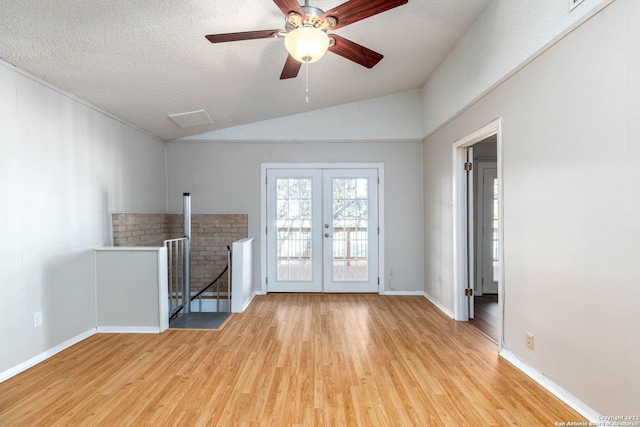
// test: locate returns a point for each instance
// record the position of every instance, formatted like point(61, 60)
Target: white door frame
point(460, 222)
point(263, 211)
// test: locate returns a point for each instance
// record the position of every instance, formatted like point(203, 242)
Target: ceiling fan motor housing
point(312, 19)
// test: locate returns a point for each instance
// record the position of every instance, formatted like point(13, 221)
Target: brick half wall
point(210, 236)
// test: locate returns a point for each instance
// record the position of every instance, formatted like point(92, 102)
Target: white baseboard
point(559, 392)
point(440, 307)
point(402, 293)
point(128, 330)
point(45, 355)
point(551, 386)
point(248, 301)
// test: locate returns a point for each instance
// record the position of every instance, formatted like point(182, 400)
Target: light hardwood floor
point(339, 360)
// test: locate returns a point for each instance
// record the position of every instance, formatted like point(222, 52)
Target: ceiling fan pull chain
point(306, 70)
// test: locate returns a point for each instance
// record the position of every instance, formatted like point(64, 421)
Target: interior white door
point(488, 228)
point(350, 230)
point(470, 237)
point(294, 230)
point(322, 230)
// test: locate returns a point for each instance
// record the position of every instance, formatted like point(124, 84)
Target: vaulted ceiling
point(143, 60)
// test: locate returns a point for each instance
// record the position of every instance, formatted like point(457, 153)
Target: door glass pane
point(495, 248)
point(350, 229)
point(293, 234)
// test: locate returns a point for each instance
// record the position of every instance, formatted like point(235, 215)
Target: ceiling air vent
point(191, 119)
point(574, 3)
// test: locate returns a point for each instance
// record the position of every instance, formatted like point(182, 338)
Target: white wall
point(571, 135)
point(63, 167)
point(393, 117)
point(224, 177)
point(505, 35)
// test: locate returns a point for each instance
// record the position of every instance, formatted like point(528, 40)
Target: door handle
point(327, 235)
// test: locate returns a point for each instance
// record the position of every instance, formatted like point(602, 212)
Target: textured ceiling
point(142, 60)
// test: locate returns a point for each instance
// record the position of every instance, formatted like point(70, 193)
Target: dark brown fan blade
point(355, 52)
point(356, 10)
point(246, 35)
point(287, 6)
point(291, 68)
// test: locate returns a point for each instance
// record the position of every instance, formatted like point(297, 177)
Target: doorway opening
point(485, 244)
point(478, 274)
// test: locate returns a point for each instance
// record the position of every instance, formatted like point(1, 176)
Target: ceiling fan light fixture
point(307, 44)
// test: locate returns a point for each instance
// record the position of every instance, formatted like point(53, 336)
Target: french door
point(322, 230)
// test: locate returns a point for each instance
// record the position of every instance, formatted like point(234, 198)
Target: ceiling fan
point(305, 32)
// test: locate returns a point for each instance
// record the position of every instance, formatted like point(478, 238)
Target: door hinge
point(266, 230)
point(468, 166)
point(266, 280)
point(378, 230)
point(378, 180)
point(378, 280)
point(468, 292)
point(265, 180)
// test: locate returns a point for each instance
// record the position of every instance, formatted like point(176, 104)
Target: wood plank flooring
point(289, 360)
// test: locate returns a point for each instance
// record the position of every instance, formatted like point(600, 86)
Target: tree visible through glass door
point(293, 237)
point(350, 229)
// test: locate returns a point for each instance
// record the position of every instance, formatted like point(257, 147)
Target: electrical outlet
point(530, 340)
point(37, 319)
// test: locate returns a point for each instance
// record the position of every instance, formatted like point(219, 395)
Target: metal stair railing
point(174, 313)
point(175, 256)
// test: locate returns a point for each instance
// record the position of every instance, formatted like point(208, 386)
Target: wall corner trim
point(569, 399)
point(45, 355)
